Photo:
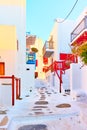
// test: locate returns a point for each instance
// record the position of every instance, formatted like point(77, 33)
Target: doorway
point(2, 68)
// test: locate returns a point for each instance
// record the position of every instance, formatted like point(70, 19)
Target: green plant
point(35, 50)
point(81, 51)
point(84, 57)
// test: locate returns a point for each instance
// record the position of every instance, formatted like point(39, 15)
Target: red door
point(2, 68)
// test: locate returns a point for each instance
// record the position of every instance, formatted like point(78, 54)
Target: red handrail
point(12, 89)
point(18, 86)
point(58, 66)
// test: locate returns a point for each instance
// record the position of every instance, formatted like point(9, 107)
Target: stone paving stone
point(4, 121)
point(50, 112)
point(49, 93)
point(43, 96)
point(39, 113)
point(33, 127)
point(30, 113)
point(41, 102)
point(41, 93)
point(2, 112)
point(40, 107)
point(35, 109)
point(41, 99)
point(63, 105)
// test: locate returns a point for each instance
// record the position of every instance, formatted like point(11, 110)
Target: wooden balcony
point(30, 40)
point(48, 49)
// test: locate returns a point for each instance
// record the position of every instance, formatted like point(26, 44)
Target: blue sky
point(40, 14)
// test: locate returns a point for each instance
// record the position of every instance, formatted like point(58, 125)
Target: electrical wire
point(68, 13)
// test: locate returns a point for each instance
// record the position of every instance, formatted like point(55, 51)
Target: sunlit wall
point(13, 13)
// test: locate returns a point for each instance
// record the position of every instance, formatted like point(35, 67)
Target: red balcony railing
point(68, 58)
point(79, 28)
point(59, 67)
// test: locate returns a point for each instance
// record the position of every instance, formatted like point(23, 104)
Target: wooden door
point(2, 68)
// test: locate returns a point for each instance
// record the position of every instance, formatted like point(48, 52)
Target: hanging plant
point(35, 50)
point(81, 51)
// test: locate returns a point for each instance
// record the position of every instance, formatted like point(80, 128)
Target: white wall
point(84, 78)
point(61, 37)
point(75, 76)
point(64, 31)
point(66, 79)
point(5, 95)
point(57, 83)
point(15, 15)
point(29, 81)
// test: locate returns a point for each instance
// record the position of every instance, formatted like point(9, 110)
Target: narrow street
point(43, 65)
point(45, 109)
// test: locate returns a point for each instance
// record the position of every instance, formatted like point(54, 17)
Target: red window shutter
point(36, 63)
point(45, 60)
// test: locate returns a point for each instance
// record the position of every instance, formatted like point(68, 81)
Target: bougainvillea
point(81, 51)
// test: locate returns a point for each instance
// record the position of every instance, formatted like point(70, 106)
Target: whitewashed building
point(62, 37)
point(13, 41)
point(59, 40)
point(78, 71)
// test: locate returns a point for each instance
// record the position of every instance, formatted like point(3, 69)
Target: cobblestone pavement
point(40, 109)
